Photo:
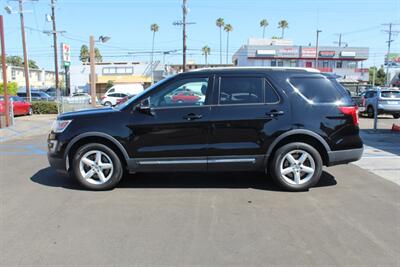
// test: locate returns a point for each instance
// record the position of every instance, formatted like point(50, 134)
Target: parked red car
point(21, 107)
point(185, 97)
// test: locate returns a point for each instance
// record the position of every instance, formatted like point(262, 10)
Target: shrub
point(12, 88)
point(44, 107)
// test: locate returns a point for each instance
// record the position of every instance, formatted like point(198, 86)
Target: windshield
point(145, 91)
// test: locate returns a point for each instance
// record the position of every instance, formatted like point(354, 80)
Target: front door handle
point(275, 113)
point(192, 116)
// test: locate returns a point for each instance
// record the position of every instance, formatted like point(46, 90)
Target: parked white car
point(111, 99)
point(128, 89)
point(79, 98)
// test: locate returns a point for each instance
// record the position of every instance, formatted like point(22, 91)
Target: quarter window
point(240, 90)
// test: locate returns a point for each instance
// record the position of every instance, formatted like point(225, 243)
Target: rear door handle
point(192, 116)
point(274, 113)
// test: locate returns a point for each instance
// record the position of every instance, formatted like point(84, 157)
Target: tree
point(220, 23)
point(206, 51)
point(264, 23)
point(32, 64)
point(275, 37)
point(97, 55)
point(15, 61)
point(283, 24)
point(109, 84)
point(228, 28)
point(12, 88)
point(84, 54)
point(154, 28)
point(380, 76)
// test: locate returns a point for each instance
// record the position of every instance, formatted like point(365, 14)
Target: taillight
point(352, 111)
point(103, 97)
point(363, 102)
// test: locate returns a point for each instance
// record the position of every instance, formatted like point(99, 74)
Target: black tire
point(370, 112)
point(107, 104)
point(396, 116)
point(275, 172)
point(115, 160)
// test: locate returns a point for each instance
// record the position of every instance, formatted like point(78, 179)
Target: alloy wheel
point(297, 167)
point(96, 167)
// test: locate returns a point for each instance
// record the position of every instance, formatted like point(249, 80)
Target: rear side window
point(270, 94)
point(319, 89)
point(390, 94)
point(240, 90)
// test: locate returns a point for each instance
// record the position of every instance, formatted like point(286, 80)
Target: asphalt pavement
point(352, 217)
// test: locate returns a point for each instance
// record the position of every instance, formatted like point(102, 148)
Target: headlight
point(60, 125)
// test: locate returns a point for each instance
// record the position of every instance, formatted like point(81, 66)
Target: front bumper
point(344, 156)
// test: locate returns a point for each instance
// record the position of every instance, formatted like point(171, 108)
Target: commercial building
point(346, 62)
point(38, 78)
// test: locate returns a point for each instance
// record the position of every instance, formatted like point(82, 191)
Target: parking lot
point(351, 217)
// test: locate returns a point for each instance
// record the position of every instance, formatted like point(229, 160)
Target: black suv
point(288, 122)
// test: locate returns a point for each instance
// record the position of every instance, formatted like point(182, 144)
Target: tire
point(396, 116)
point(30, 111)
point(370, 112)
point(180, 101)
point(86, 160)
point(302, 171)
point(107, 104)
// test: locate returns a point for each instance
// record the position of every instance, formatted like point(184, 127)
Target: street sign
point(65, 54)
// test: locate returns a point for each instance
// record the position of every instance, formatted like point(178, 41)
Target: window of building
point(280, 63)
point(240, 90)
point(339, 64)
point(273, 63)
point(325, 64)
point(293, 63)
point(13, 74)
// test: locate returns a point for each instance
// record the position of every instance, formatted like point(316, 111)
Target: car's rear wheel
point(296, 166)
point(97, 167)
point(108, 104)
point(30, 111)
point(396, 116)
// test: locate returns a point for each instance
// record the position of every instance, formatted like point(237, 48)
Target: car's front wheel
point(97, 167)
point(296, 166)
point(396, 115)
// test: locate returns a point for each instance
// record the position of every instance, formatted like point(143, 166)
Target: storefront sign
point(65, 54)
point(326, 53)
point(266, 52)
point(308, 52)
point(288, 52)
point(348, 54)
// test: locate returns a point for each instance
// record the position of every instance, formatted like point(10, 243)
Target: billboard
point(65, 54)
point(308, 52)
point(393, 58)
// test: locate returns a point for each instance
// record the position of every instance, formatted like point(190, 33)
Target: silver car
point(388, 101)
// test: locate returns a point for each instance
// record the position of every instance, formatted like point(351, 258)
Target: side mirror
point(145, 106)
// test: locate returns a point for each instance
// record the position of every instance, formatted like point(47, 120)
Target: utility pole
point(26, 63)
point(53, 18)
point(92, 71)
point(184, 36)
point(316, 49)
point(4, 69)
point(390, 32)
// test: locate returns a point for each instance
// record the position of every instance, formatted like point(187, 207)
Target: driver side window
point(185, 92)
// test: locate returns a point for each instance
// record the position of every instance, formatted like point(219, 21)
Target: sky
point(128, 22)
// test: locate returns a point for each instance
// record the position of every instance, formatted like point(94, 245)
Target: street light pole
point(92, 71)
point(4, 69)
point(316, 49)
point(26, 67)
point(184, 10)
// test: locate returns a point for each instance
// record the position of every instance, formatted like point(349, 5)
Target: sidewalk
point(27, 126)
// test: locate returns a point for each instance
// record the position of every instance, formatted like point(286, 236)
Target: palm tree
point(154, 28)
point(228, 28)
point(220, 23)
point(206, 51)
point(283, 24)
point(264, 23)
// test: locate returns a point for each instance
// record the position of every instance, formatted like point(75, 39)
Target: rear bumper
point(344, 156)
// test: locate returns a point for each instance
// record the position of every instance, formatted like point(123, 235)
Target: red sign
point(327, 53)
